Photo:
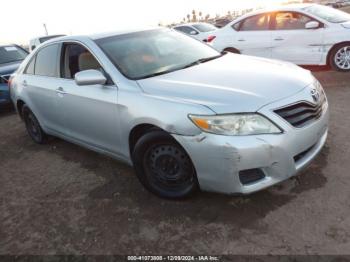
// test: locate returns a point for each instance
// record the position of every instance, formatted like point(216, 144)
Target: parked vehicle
point(10, 58)
point(184, 115)
point(305, 34)
point(199, 31)
point(35, 42)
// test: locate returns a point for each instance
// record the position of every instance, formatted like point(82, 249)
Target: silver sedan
point(184, 115)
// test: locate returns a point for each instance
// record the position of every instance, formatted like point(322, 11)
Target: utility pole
point(45, 29)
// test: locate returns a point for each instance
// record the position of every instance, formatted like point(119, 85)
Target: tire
point(33, 127)
point(163, 166)
point(340, 58)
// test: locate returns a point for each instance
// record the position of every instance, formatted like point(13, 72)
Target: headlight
point(235, 124)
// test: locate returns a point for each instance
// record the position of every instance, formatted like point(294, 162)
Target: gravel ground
point(62, 199)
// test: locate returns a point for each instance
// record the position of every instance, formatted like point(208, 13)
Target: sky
point(24, 19)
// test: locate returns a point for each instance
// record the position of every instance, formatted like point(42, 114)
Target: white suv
point(305, 34)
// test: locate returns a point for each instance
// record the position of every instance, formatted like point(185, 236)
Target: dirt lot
point(62, 199)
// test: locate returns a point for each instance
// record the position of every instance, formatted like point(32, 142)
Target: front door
point(292, 42)
point(90, 111)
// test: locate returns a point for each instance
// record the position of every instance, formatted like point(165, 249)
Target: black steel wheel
point(33, 127)
point(163, 166)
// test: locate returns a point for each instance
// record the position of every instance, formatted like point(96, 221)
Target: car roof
point(288, 7)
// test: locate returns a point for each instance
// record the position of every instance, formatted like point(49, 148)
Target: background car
point(199, 31)
point(33, 43)
point(305, 34)
point(11, 56)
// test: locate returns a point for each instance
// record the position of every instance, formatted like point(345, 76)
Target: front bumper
point(219, 159)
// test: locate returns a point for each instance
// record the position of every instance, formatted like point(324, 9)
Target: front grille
point(4, 79)
point(302, 113)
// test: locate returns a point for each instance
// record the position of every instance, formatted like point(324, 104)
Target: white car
point(304, 34)
point(199, 31)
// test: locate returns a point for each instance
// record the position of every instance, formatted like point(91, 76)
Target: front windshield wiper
point(197, 62)
point(203, 60)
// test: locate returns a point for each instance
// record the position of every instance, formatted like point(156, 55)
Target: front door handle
point(279, 39)
point(61, 91)
point(24, 83)
point(241, 40)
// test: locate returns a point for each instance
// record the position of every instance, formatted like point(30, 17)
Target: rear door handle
point(61, 91)
point(241, 40)
point(279, 39)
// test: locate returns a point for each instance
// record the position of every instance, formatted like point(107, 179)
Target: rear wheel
point(33, 127)
point(340, 58)
point(163, 166)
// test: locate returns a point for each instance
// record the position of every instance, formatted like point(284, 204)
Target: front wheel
point(340, 58)
point(163, 166)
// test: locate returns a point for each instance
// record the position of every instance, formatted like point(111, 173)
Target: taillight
point(210, 38)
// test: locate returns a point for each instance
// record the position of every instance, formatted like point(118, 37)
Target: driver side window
point(291, 21)
point(76, 58)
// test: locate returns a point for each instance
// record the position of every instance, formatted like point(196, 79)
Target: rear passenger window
point(30, 67)
point(256, 23)
point(77, 58)
point(46, 61)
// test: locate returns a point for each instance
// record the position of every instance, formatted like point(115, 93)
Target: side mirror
point(312, 25)
point(90, 77)
point(193, 33)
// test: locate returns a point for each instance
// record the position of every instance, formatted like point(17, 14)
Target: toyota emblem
point(315, 95)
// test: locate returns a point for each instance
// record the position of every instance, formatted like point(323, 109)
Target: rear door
point(253, 35)
point(292, 42)
point(41, 80)
point(90, 111)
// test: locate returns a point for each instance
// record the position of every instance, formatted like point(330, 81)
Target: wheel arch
point(19, 105)
point(138, 131)
point(232, 50)
point(333, 48)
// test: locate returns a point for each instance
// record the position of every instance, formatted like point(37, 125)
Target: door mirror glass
point(312, 25)
point(90, 77)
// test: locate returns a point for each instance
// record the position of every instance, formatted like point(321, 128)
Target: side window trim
point(273, 20)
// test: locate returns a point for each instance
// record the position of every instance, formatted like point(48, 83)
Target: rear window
point(10, 54)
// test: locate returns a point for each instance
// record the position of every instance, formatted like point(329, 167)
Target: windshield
point(145, 54)
point(10, 54)
point(329, 14)
point(204, 27)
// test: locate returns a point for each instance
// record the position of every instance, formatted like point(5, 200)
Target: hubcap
point(169, 168)
point(342, 58)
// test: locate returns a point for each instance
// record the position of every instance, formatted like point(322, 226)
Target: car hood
point(232, 83)
point(9, 68)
